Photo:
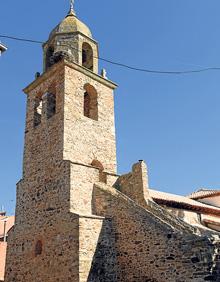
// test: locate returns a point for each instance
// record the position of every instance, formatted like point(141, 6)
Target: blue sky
point(172, 122)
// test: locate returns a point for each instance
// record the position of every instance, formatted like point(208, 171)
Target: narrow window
point(37, 111)
point(38, 248)
point(51, 105)
point(86, 104)
point(87, 56)
point(90, 102)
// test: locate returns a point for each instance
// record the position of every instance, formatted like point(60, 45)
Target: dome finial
point(71, 5)
point(71, 11)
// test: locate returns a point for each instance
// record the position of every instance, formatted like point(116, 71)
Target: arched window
point(37, 111)
point(87, 56)
point(90, 102)
point(49, 55)
point(97, 164)
point(38, 248)
point(102, 174)
point(86, 104)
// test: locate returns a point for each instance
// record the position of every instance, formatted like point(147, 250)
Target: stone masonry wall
point(44, 143)
point(97, 254)
point(150, 250)
point(40, 199)
point(71, 44)
point(59, 260)
point(67, 228)
point(86, 139)
point(135, 186)
point(82, 179)
point(53, 187)
point(135, 183)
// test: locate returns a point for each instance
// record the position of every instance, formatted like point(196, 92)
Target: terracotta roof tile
point(182, 202)
point(204, 193)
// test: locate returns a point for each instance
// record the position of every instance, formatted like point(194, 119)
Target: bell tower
point(69, 146)
point(73, 40)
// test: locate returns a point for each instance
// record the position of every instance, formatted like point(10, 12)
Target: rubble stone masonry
point(76, 219)
point(54, 209)
point(148, 249)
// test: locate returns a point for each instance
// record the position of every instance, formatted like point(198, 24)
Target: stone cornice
point(91, 74)
point(74, 66)
point(44, 76)
point(93, 167)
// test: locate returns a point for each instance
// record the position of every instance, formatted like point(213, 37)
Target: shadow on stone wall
point(149, 249)
point(103, 267)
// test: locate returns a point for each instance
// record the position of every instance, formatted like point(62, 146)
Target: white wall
point(212, 222)
point(213, 201)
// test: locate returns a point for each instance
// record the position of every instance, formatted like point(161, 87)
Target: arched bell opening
point(87, 56)
point(90, 102)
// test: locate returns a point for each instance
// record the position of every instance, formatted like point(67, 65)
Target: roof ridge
point(203, 193)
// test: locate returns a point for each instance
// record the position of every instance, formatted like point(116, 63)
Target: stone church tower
point(76, 219)
point(69, 146)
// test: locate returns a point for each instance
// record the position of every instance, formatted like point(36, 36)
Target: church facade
point(76, 219)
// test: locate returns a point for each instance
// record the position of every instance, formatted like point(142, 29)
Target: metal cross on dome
point(71, 11)
point(71, 5)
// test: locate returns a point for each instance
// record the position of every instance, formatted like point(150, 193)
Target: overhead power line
point(125, 65)
point(21, 39)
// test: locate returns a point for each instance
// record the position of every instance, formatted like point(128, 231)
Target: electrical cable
point(124, 65)
point(21, 39)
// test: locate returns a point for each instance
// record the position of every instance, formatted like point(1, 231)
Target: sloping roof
point(204, 193)
point(3, 247)
point(182, 202)
point(9, 223)
point(71, 24)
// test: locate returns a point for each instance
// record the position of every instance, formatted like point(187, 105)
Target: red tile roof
point(182, 202)
point(204, 193)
